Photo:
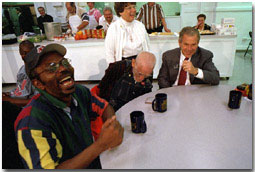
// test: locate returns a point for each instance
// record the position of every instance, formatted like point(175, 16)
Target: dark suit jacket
point(202, 59)
point(25, 24)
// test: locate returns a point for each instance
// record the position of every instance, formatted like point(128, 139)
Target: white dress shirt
point(200, 74)
point(132, 44)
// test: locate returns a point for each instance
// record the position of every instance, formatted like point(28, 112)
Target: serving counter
point(88, 56)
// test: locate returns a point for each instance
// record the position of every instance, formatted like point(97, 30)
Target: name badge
point(176, 66)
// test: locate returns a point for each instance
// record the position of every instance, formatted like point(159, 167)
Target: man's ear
point(133, 63)
point(38, 84)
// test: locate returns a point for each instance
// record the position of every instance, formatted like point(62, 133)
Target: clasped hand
point(188, 67)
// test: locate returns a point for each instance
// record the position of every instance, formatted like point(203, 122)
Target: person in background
point(201, 25)
point(125, 37)
point(189, 64)
point(53, 130)
point(152, 16)
point(127, 79)
point(94, 15)
point(107, 18)
point(43, 18)
point(24, 22)
point(76, 17)
point(12, 104)
point(7, 24)
point(24, 90)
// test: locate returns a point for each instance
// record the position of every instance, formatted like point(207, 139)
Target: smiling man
point(43, 18)
point(53, 130)
point(189, 64)
point(107, 18)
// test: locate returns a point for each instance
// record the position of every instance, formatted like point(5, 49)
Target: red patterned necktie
point(183, 76)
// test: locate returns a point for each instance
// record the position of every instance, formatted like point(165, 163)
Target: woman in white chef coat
point(126, 37)
point(76, 17)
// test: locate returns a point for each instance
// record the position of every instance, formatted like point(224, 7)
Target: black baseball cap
point(32, 59)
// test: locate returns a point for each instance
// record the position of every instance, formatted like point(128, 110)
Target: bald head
point(146, 59)
point(143, 65)
point(25, 47)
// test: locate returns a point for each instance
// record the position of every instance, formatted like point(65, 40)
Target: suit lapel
point(176, 62)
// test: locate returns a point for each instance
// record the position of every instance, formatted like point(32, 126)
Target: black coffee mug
point(160, 102)
point(235, 98)
point(138, 124)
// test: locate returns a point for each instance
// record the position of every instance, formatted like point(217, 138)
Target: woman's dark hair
point(119, 6)
point(201, 15)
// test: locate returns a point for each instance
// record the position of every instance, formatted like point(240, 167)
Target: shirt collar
point(125, 23)
point(183, 57)
point(68, 109)
point(54, 100)
point(92, 9)
point(151, 6)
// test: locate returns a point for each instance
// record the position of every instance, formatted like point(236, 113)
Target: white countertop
point(93, 41)
point(88, 56)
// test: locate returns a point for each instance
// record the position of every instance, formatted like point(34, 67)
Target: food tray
point(209, 33)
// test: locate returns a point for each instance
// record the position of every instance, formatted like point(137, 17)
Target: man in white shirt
point(107, 18)
point(189, 64)
point(76, 17)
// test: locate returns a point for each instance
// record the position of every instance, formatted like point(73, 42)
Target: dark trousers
point(159, 29)
point(10, 154)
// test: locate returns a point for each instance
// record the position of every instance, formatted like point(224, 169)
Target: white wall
point(215, 11)
point(173, 23)
point(242, 12)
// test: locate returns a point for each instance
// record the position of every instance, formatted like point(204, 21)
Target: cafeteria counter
point(88, 56)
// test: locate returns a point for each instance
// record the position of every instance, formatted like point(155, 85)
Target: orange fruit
point(76, 37)
point(80, 33)
point(84, 36)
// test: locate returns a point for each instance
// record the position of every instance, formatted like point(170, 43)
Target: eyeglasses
point(141, 74)
point(53, 67)
point(130, 7)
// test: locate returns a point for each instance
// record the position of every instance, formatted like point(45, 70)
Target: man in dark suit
point(43, 18)
point(188, 64)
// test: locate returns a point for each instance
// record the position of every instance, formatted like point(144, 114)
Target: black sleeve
point(85, 17)
point(40, 23)
point(50, 18)
point(112, 75)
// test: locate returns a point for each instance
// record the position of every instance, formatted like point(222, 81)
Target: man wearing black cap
point(53, 130)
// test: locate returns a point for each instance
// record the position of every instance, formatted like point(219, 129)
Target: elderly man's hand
point(188, 67)
point(111, 134)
